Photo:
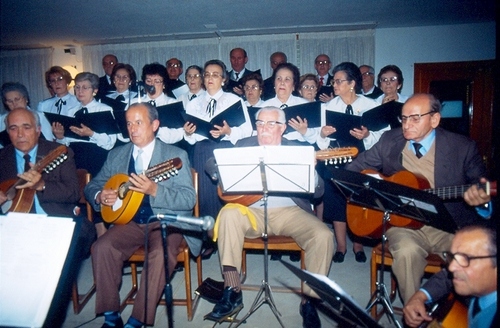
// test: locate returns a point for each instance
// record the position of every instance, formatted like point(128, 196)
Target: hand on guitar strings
point(33, 180)
point(414, 311)
point(476, 195)
point(141, 183)
point(108, 197)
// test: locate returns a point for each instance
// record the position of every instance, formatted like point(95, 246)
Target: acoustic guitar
point(448, 313)
point(129, 201)
point(329, 156)
point(21, 200)
point(366, 222)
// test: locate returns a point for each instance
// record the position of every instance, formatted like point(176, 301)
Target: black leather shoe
point(117, 324)
point(360, 256)
point(338, 257)
point(276, 257)
point(228, 303)
point(295, 257)
point(310, 317)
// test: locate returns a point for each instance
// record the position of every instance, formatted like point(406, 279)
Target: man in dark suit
point(275, 59)
point(56, 194)
point(172, 196)
point(239, 59)
point(105, 84)
point(444, 159)
point(322, 64)
point(471, 272)
point(174, 70)
point(288, 214)
point(369, 89)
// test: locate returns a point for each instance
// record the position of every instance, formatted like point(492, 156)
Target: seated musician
point(175, 196)
point(288, 215)
point(444, 159)
point(472, 272)
point(56, 194)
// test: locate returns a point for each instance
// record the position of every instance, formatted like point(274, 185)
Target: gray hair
point(281, 113)
point(35, 115)
point(87, 76)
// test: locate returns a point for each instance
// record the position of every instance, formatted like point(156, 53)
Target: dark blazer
point(172, 85)
point(457, 163)
point(61, 185)
point(268, 91)
point(375, 94)
point(104, 87)
point(230, 84)
point(302, 200)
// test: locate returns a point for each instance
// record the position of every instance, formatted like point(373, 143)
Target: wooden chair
point(184, 256)
point(434, 265)
point(276, 243)
point(80, 300)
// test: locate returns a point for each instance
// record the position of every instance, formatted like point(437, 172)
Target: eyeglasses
point(174, 65)
point(193, 76)
point(322, 62)
point(111, 63)
point(269, 124)
point(82, 87)
point(389, 79)
point(121, 77)
point(276, 63)
point(414, 118)
point(150, 82)
point(251, 87)
point(463, 259)
point(215, 75)
point(56, 80)
point(366, 74)
point(338, 82)
point(309, 87)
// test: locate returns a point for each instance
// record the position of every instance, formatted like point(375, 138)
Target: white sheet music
point(287, 168)
point(180, 90)
point(33, 249)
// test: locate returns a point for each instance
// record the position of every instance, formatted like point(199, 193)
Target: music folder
point(251, 113)
point(172, 115)
point(99, 122)
point(310, 111)
point(233, 115)
point(118, 113)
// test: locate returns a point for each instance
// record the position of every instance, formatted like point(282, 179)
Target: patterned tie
point(192, 97)
point(120, 98)
point(152, 102)
point(81, 111)
point(26, 162)
point(417, 149)
point(283, 106)
point(321, 81)
point(138, 162)
point(348, 110)
point(211, 107)
point(59, 105)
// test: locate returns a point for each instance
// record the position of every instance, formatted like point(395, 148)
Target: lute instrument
point(21, 200)
point(329, 156)
point(129, 201)
point(365, 222)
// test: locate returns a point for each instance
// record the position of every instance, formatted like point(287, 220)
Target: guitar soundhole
point(122, 190)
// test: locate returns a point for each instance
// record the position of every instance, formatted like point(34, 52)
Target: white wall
point(445, 43)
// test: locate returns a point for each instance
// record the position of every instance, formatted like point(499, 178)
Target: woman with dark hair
point(123, 77)
point(286, 79)
point(346, 83)
point(58, 80)
point(390, 81)
point(309, 84)
point(90, 153)
point(194, 81)
point(253, 86)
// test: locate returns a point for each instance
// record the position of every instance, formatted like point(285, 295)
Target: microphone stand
point(168, 286)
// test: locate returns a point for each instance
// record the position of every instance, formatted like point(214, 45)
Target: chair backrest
point(196, 209)
point(83, 179)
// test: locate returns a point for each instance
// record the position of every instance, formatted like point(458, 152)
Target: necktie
point(120, 98)
point(152, 102)
point(192, 97)
point(476, 308)
point(211, 107)
point(82, 111)
point(59, 105)
point(348, 110)
point(417, 149)
point(138, 162)
point(321, 80)
point(237, 75)
point(283, 106)
point(26, 162)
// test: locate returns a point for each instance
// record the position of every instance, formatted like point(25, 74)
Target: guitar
point(128, 201)
point(329, 156)
point(366, 222)
point(448, 313)
point(21, 200)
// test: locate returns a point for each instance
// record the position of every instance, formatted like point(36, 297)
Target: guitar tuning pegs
point(350, 159)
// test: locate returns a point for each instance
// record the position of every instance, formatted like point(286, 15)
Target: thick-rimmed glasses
point(193, 76)
point(215, 75)
point(309, 87)
point(414, 118)
point(56, 80)
point(337, 82)
point(322, 62)
point(251, 87)
point(269, 124)
point(463, 259)
point(151, 82)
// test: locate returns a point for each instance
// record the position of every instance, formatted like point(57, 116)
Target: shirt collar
point(426, 142)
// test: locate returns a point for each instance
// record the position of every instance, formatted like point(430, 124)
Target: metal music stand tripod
point(267, 163)
point(391, 198)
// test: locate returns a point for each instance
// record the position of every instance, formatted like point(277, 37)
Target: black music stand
point(333, 294)
point(391, 198)
point(266, 169)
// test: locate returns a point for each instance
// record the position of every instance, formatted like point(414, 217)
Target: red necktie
point(321, 79)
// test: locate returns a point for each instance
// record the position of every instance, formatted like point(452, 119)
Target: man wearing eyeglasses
point(471, 272)
point(369, 89)
point(322, 64)
point(174, 70)
point(105, 84)
point(445, 159)
point(287, 215)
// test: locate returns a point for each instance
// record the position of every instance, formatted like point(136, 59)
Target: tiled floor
point(351, 276)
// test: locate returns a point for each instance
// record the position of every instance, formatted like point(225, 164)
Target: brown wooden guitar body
point(130, 201)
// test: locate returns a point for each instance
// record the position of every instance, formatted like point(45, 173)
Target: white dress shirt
point(49, 105)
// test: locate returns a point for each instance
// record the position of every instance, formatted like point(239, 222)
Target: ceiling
point(35, 24)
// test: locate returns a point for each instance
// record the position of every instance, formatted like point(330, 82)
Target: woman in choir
point(346, 83)
point(58, 79)
point(194, 81)
point(309, 86)
point(253, 86)
point(123, 77)
point(92, 149)
point(286, 79)
point(390, 80)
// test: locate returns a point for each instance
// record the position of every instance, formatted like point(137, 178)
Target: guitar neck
point(454, 192)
